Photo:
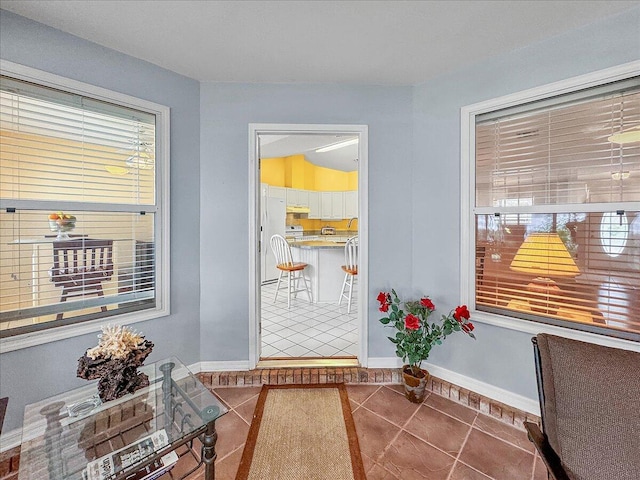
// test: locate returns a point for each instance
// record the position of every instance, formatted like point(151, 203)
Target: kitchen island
point(325, 259)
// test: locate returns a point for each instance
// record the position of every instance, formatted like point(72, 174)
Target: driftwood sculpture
point(115, 362)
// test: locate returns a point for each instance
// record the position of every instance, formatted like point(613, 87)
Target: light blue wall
point(499, 357)
point(34, 373)
point(226, 111)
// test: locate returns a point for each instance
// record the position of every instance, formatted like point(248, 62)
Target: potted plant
point(415, 336)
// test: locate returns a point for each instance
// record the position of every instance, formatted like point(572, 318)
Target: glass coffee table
point(124, 438)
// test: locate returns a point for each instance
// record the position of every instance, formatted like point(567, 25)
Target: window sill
point(55, 334)
point(533, 328)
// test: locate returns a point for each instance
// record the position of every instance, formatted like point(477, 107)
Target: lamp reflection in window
point(544, 255)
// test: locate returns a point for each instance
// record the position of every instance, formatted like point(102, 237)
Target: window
point(555, 209)
point(83, 204)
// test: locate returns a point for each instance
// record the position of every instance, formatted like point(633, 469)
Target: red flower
point(467, 327)
point(461, 312)
point(425, 302)
point(384, 307)
point(411, 322)
point(383, 297)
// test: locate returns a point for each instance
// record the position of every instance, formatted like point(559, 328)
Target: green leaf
point(385, 320)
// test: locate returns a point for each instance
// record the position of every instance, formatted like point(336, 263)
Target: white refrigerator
point(272, 220)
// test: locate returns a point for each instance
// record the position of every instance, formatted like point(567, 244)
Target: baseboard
point(224, 366)
point(485, 389)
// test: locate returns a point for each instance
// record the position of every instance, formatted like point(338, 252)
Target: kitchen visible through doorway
point(310, 195)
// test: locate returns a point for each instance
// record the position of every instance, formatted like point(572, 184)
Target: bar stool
point(351, 270)
point(293, 270)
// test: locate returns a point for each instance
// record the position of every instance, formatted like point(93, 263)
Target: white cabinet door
point(292, 197)
point(326, 205)
point(337, 205)
point(297, 197)
point(351, 204)
point(314, 205)
point(277, 192)
point(303, 198)
point(332, 205)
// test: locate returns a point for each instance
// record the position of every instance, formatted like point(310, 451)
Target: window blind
point(560, 155)
point(78, 170)
point(542, 253)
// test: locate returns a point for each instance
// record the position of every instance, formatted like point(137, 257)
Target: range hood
point(291, 209)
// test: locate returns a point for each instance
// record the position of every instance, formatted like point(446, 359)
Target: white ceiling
point(354, 42)
point(344, 158)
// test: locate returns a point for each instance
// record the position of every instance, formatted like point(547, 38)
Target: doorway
point(319, 199)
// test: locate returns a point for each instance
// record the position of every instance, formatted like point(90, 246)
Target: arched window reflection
point(614, 231)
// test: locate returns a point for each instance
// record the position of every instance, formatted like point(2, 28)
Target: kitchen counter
point(324, 259)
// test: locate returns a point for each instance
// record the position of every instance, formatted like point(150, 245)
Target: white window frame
point(468, 210)
point(162, 220)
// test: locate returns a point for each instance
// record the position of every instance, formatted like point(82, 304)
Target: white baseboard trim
point(224, 366)
point(482, 388)
point(10, 439)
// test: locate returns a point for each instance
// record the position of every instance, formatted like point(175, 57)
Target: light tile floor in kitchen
point(307, 329)
point(437, 440)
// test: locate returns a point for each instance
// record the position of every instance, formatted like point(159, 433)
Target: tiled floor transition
point(437, 440)
point(307, 330)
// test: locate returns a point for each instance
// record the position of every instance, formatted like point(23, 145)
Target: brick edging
point(355, 375)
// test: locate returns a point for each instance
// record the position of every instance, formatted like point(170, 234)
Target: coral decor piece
point(120, 351)
point(415, 337)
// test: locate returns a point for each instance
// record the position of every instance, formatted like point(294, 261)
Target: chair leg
point(100, 293)
point(344, 284)
point(63, 298)
point(277, 287)
point(289, 290)
point(306, 286)
point(350, 293)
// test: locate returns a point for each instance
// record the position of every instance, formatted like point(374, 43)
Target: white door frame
point(256, 129)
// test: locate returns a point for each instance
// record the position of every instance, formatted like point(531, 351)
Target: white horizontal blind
point(78, 168)
point(561, 155)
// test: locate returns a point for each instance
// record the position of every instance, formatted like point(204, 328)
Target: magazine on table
point(104, 467)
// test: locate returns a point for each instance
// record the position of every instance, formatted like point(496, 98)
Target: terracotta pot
point(414, 386)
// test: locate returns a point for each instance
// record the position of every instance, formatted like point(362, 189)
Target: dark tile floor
point(438, 439)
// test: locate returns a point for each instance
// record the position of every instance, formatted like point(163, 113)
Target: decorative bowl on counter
point(62, 223)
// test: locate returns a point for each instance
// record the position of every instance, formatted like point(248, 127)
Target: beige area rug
point(302, 432)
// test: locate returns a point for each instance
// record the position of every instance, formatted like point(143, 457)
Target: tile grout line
point(464, 443)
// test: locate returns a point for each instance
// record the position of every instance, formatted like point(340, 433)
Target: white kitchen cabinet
point(297, 197)
point(314, 205)
point(332, 205)
point(303, 198)
point(277, 192)
point(351, 204)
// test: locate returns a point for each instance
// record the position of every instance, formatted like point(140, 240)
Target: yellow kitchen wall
point(352, 180)
point(309, 176)
point(272, 171)
point(296, 172)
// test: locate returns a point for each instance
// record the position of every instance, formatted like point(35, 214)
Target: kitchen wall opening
point(309, 202)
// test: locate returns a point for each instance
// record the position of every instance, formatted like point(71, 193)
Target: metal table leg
point(209, 451)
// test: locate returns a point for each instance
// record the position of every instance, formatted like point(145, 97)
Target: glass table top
point(63, 434)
